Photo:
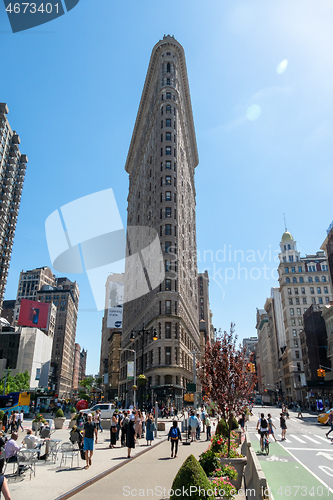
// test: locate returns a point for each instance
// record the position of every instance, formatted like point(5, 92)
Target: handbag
point(153, 427)
point(114, 429)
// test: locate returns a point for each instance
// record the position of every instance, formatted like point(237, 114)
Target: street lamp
point(134, 380)
point(143, 331)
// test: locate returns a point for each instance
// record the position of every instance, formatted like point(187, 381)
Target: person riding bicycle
point(262, 428)
point(266, 442)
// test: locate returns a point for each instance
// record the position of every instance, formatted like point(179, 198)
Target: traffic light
point(321, 372)
point(248, 367)
point(253, 368)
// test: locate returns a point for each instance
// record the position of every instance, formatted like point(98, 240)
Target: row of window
point(168, 123)
point(168, 109)
point(168, 230)
point(167, 181)
point(168, 151)
point(167, 165)
point(168, 96)
point(312, 290)
point(168, 137)
point(311, 269)
point(310, 279)
point(168, 213)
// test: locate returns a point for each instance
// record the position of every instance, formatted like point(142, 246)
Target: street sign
point(191, 387)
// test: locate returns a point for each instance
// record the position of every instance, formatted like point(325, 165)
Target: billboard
point(115, 317)
point(33, 313)
point(130, 370)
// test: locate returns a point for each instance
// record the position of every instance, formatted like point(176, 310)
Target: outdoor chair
point(3, 457)
point(69, 451)
point(26, 460)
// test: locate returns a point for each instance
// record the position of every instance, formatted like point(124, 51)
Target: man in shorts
point(88, 439)
point(262, 428)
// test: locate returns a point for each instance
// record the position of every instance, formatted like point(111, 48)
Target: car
point(107, 410)
point(323, 417)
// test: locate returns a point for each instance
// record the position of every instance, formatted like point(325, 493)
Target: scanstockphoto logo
point(87, 235)
point(25, 15)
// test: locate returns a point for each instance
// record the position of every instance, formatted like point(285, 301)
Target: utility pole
point(195, 380)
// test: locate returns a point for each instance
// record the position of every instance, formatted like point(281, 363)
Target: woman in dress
point(130, 438)
point(150, 429)
point(138, 424)
point(113, 431)
point(270, 426)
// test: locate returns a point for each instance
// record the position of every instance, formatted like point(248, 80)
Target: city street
point(301, 466)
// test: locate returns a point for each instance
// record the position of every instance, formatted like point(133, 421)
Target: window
point(294, 280)
point(301, 280)
point(325, 289)
point(168, 108)
point(318, 289)
point(304, 300)
point(167, 246)
point(289, 291)
point(168, 229)
point(320, 299)
point(291, 258)
point(168, 165)
point(291, 312)
point(299, 269)
point(317, 279)
point(168, 330)
point(327, 301)
point(299, 311)
point(294, 333)
point(168, 284)
point(162, 124)
point(311, 290)
point(168, 212)
point(287, 280)
point(293, 322)
point(297, 300)
point(290, 302)
point(168, 355)
point(168, 122)
point(168, 307)
point(300, 321)
point(168, 136)
point(286, 269)
point(167, 268)
point(292, 269)
point(303, 290)
point(168, 196)
point(168, 81)
point(323, 279)
point(297, 354)
point(310, 279)
point(168, 180)
point(168, 95)
point(296, 291)
point(161, 137)
point(168, 150)
point(168, 68)
point(295, 343)
point(313, 300)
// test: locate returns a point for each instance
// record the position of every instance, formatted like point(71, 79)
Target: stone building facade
point(161, 163)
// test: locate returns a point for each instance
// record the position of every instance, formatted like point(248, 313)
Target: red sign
point(82, 405)
point(33, 313)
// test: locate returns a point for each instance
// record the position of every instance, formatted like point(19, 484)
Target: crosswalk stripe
point(323, 438)
point(297, 438)
point(311, 439)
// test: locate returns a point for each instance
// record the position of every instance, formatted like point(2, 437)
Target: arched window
point(168, 68)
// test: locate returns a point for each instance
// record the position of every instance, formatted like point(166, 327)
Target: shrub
point(222, 428)
point(209, 462)
point(191, 474)
point(2, 414)
point(72, 410)
point(59, 413)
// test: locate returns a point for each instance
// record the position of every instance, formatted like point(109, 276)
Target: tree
point(20, 382)
point(225, 378)
point(87, 383)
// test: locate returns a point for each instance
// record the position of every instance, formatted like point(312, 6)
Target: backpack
point(174, 432)
point(263, 423)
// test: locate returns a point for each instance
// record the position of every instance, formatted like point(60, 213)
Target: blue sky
point(264, 137)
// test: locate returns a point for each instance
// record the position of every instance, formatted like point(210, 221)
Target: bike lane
point(287, 477)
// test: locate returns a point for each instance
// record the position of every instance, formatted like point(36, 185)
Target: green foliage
point(224, 487)
point(39, 418)
point(87, 383)
point(192, 474)
point(2, 413)
point(73, 410)
point(20, 382)
point(225, 471)
point(59, 413)
point(222, 428)
point(209, 461)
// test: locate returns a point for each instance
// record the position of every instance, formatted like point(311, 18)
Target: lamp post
point(143, 331)
point(134, 379)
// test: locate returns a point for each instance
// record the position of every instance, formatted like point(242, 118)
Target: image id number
point(32, 8)
point(303, 491)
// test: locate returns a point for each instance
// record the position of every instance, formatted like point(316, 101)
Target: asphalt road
point(302, 465)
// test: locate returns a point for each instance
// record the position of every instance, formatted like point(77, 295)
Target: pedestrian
point(97, 421)
point(150, 428)
point(175, 436)
point(88, 439)
point(270, 426)
point(4, 488)
point(198, 427)
point(193, 423)
point(12, 421)
point(113, 431)
point(208, 428)
point(330, 421)
point(123, 428)
point(283, 426)
point(143, 423)
point(241, 422)
point(5, 421)
point(2, 445)
point(20, 418)
point(138, 424)
point(299, 411)
point(203, 419)
point(130, 436)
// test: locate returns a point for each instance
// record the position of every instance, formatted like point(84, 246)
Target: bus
point(15, 401)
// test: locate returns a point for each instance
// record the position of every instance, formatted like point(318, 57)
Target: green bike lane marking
point(287, 476)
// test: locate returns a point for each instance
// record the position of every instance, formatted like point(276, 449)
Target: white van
point(107, 410)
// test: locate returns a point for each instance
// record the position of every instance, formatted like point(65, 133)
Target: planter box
point(71, 424)
point(59, 422)
point(239, 464)
point(160, 426)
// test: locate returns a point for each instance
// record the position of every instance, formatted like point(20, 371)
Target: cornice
point(145, 101)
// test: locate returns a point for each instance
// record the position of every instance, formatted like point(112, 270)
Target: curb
point(94, 479)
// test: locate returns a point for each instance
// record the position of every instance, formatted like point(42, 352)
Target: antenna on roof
point(285, 224)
